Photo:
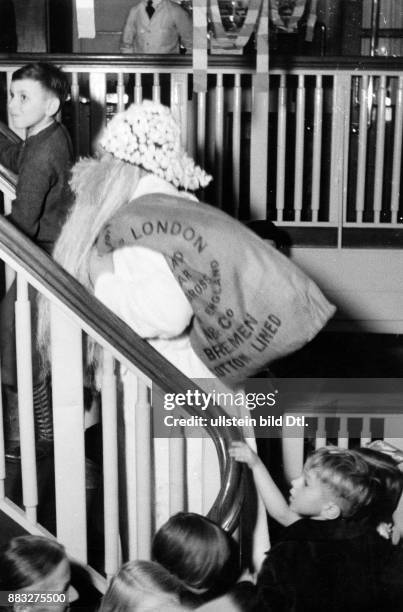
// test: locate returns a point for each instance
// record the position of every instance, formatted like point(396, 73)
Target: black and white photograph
point(232, 442)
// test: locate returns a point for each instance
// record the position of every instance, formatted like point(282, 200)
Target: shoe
point(43, 449)
point(12, 451)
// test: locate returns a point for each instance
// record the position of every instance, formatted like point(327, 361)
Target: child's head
point(387, 481)
point(35, 563)
point(37, 93)
point(141, 585)
point(335, 482)
point(199, 552)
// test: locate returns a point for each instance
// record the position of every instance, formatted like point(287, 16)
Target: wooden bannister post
point(339, 150)
point(68, 418)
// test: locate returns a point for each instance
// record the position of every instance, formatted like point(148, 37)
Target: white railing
point(343, 430)
point(322, 150)
point(144, 467)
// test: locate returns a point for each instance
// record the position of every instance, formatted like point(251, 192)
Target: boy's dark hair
point(28, 559)
point(50, 77)
point(348, 476)
point(198, 552)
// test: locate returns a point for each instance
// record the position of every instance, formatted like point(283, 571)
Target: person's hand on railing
point(242, 452)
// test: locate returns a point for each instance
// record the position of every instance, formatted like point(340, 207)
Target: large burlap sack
point(251, 304)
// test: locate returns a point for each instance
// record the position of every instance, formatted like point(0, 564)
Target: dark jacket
point(332, 566)
point(43, 196)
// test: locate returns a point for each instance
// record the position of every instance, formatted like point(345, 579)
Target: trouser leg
point(41, 386)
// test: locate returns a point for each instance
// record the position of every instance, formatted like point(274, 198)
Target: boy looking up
point(330, 556)
point(42, 162)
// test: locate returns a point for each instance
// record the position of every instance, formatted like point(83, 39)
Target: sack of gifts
point(251, 304)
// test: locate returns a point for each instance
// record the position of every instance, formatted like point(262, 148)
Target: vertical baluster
point(219, 141)
point(397, 152)
point(339, 150)
point(392, 428)
point(236, 144)
point(120, 92)
point(362, 150)
point(317, 148)
point(320, 432)
point(177, 475)
point(281, 146)
point(210, 135)
point(179, 106)
point(68, 421)
point(129, 401)
point(75, 106)
point(8, 197)
point(201, 128)
point(342, 436)
point(156, 87)
point(25, 398)
point(138, 89)
point(162, 478)
point(210, 472)
point(143, 470)
point(259, 152)
point(299, 148)
point(110, 466)
point(365, 436)
point(97, 106)
point(380, 149)
point(194, 457)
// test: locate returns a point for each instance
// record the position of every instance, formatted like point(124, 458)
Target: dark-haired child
point(42, 162)
point(33, 563)
point(200, 554)
point(330, 556)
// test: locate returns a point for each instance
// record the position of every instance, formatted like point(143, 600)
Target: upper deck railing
point(320, 153)
point(322, 150)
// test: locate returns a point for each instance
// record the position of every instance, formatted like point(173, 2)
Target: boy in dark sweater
point(42, 162)
point(331, 556)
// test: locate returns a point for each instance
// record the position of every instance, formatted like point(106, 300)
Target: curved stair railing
point(149, 496)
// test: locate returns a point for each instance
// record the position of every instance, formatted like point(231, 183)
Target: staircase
point(144, 479)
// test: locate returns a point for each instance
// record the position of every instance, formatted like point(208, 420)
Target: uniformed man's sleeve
point(184, 26)
point(129, 32)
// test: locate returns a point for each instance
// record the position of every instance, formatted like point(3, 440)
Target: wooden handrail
point(113, 61)
point(226, 62)
point(137, 351)
point(8, 177)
